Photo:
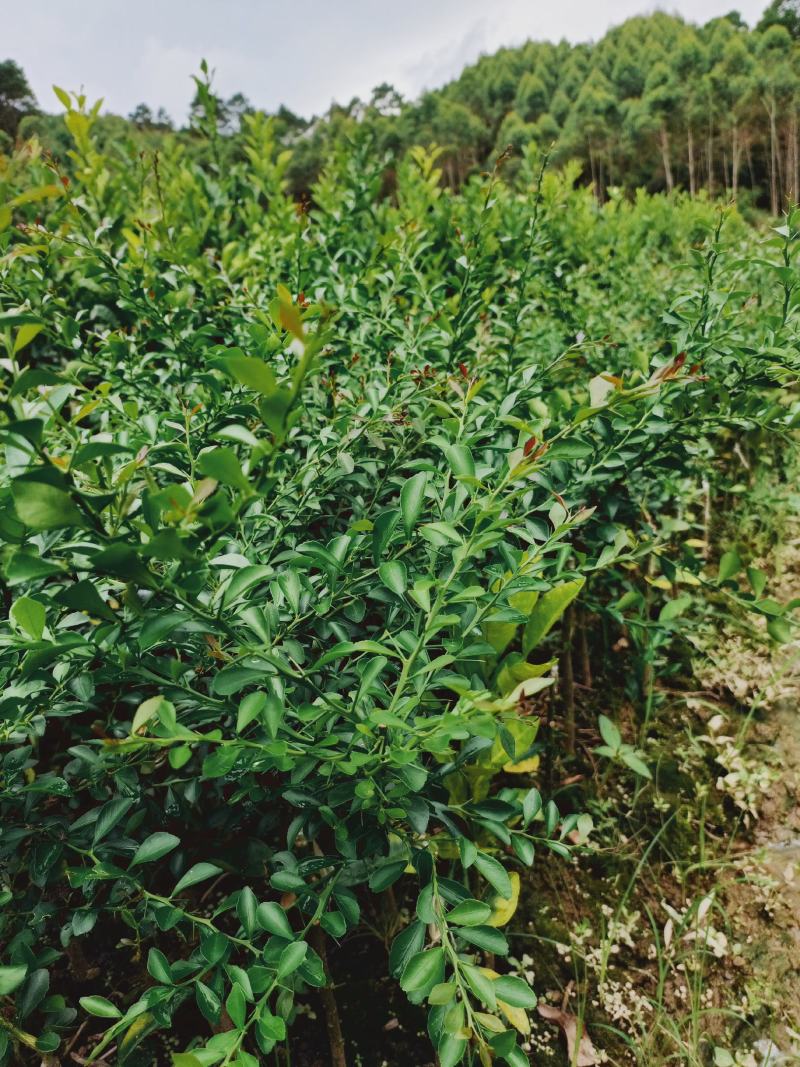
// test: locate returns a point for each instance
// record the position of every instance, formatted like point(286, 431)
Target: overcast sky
point(304, 54)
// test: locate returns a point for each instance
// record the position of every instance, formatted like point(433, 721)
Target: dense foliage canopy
point(293, 504)
point(657, 102)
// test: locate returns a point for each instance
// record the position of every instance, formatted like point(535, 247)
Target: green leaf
point(412, 498)
point(11, 978)
point(485, 937)
point(154, 847)
point(461, 462)
point(514, 991)
point(531, 806)
point(385, 875)
point(423, 970)
point(17, 318)
point(200, 872)
point(440, 533)
point(394, 576)
point(468, 851)
point(272, 918)
point(33, 992)
point(222, 464)
point(101, 1007)
point(82, 596)
point(250, 709)
point(673, 608)
point(547, 610)
point(246, 908)
point(272, 1026)
point(451, 1050)
point(208, 1002)
point(44, 507)
point(407, 943)
point(186, 1059)
point(481, 986)
point(291, 958)
point(236, 1006)
point(158, 966)
point(609, 732)
point(347, 648)
point(442, 993)
point(110, 815)
point(636, 764)
point(382, 531)
point(757, 579)
point(146, 711)
point(25, 334)
point(24, 567)
point(63, 97)
point(780, 630)
point(494, 873)
point(334, 922)
point(469, 913)
point(250, 372)
point(274, 712)
point(30, 616)
point(219, 762)
point(729, 565)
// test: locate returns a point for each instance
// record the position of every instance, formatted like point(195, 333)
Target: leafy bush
point(292, 503)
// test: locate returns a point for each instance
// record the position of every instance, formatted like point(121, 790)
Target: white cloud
point(441, 64)
point(304, 55)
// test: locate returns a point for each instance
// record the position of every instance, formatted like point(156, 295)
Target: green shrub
point(292, 504)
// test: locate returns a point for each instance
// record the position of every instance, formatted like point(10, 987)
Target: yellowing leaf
point(524, 600)
point(145, 712)
point(503, 909)
point(516, 1016)
point(526, 766)
point(133, 238)
point(500, 634)
point(87, 409)
point(548, 610)
point(515, 670)
point(659, 583)
point(25, 334)
point(288, 314)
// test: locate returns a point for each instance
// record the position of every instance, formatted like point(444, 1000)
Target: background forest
point(400, 568)
point(656, 103)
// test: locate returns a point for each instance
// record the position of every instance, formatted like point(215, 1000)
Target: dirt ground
point(762, 891)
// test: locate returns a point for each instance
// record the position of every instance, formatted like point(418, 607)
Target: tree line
point(658, 103)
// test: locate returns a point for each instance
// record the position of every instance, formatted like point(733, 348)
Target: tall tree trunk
point(690, 150)
point(664, 137)
point(773, 160)
point(593, 167)
point(736, 159)
point(583, 646)
point(790, 166)
point(710, 159)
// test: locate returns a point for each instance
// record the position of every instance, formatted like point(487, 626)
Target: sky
point(304, 54)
